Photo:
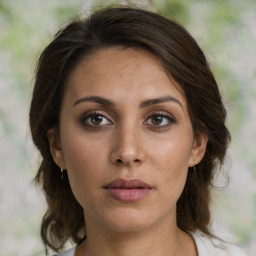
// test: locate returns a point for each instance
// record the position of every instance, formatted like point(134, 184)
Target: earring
point(194, 167)
point(62, 175)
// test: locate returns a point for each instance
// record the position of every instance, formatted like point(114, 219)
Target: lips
point(128, 190)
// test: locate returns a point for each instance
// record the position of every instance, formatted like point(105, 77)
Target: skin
point(130, 138)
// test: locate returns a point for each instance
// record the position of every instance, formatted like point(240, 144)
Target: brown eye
point(94, 119)
point(97, 119)
point(160, 120)
point(156, 120)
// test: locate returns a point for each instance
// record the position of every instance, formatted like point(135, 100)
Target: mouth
point(128, 190)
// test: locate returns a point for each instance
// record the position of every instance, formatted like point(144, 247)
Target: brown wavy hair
point(183, 61)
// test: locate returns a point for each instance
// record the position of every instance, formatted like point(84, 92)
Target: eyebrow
point(150, 102)
point(96, 99)
point(146, 103)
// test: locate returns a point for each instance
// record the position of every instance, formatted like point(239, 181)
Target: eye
point(95, 119)
point(160, 120)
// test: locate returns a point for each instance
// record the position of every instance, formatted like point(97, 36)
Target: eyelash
point(84, 119)
point(170, 120)
point(91, 114)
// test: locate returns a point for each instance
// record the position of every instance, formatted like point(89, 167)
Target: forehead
point(121, 72)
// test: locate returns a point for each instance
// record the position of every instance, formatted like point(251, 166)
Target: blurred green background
point(225, 29)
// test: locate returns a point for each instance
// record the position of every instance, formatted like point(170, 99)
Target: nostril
point(120, 161)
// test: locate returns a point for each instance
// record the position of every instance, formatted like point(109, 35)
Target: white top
point(205, 246)
point(214, 247)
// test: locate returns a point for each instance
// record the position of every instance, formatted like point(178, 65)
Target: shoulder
point(214, 247)
point(70, 252)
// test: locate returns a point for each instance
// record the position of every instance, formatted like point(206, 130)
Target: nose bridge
point(128, 141)
point(128, 148)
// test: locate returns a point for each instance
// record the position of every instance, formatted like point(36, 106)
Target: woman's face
point(126, 140)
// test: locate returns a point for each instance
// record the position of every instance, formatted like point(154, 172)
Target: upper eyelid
point(161, 112)
point(90, 113)
point(170, 117)
point(98, 112)
point(112, 117)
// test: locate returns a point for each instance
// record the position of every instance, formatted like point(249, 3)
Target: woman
point(131, 127)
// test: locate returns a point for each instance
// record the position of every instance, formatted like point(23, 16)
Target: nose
point(128, 148)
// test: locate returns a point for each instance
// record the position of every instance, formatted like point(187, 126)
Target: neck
point(160, 240)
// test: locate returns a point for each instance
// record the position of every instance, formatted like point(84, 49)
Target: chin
point(128, 221)
point(127, 226)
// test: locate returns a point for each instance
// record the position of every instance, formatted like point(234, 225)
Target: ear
point(55, 147)
point(198, 149)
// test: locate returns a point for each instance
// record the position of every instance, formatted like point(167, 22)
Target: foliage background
point(226, 31)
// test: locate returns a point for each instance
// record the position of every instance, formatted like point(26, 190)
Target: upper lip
point(128, 184)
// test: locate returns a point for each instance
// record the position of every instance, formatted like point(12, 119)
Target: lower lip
point(128, 195)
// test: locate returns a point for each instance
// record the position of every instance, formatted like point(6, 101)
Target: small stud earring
point(62, 175)
point(194, 167)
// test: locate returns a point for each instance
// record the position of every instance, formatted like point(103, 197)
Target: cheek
point(83, 161)
point(172, 161)
point(173, 155)
point(80, 150)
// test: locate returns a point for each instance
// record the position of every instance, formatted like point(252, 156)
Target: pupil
point(97, 119)
point(157, 120)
